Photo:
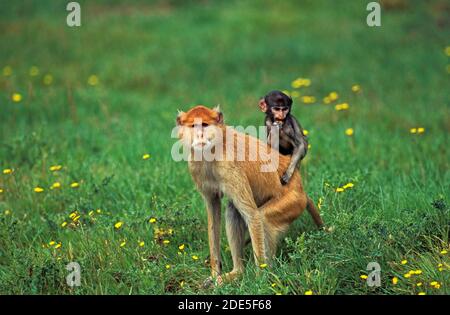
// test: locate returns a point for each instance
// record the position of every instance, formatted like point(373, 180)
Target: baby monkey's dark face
point(279, 105)
point(279, 113)
point(276, 105)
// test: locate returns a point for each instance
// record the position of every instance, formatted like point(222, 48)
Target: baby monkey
point(292, 141)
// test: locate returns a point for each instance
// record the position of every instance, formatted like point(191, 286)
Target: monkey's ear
point(263, 105)
point(180, 113)
point(219, 118)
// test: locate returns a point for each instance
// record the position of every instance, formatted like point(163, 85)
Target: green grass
point(152, 59)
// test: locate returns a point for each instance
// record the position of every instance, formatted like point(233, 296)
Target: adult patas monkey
point(258, 202)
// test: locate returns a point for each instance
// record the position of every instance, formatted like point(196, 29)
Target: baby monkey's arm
point(294, 132)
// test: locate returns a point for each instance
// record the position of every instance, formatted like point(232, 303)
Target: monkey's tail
point(314, 213)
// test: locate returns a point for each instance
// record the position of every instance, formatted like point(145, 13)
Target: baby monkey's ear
point(263, 105)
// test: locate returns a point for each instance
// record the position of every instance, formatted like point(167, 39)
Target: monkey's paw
point(285, 179)
point(212, 282)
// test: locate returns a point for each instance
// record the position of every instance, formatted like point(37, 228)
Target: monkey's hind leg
point(278, 215)
point(235, 228)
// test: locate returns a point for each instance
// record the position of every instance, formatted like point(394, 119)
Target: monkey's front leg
point(213, 210)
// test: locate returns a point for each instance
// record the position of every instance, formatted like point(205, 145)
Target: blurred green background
point(95, 99)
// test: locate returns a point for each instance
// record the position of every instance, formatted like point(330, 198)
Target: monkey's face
point(279, 113)
point(199, 128)
point(278, 105)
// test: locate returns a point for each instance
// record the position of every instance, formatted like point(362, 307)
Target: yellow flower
point(55, 168)
point(48, 79)
point(333, 96)
point(51, 243)
point(443, 252)
point(141, 244)
point(93, 80)
point(404, 262)
point(356, 88)
point(263, 266)
point(56, 185)
point(168, 266)
point(419, 284)
point(7, 212)
point(309, 292)
point(413, 130)
point(194, 257)
point(273, 285)
point(7, 71)
point(73, 215)
point(75, 185)
point(420, 130)
point(16, 97)
point(123, 244)
point(326, 100)
point(146, 156)
point(447, 51)
point(166, 242)
point(91, 213)
point(34, 71)
point(99, 211)
point(76, 218)
point(58, 245)
point(437, 286)
point(182, 284)
point(305, 132)
point(319, 204)
point(7, 171)
point(394, 280)
point(1, 190)
point(349, 132)
point(421, 293)
point(64, 224)
point(278, 293)
point(343, 106)
point(364, 277)
point(152, 220)
point(339, 189)
point(118, 225)
point(38, 189)
point(433, 283)
point(298, 83)
point(407, 275)
point(181, 247)
point(417, 272)
point(308, 99)
point(348, 185)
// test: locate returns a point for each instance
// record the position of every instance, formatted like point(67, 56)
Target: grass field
point(95, 99)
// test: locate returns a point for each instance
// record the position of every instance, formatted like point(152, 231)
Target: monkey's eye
point(205, 125)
